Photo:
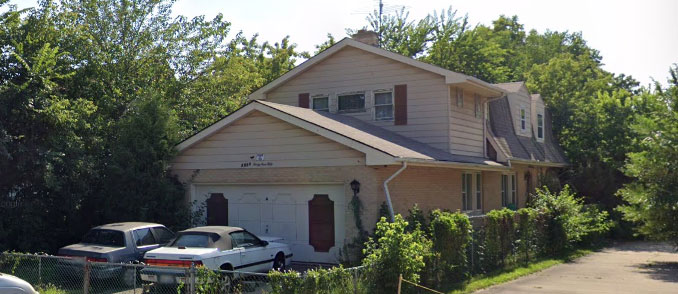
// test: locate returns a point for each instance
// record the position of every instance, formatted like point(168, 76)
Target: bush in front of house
point(527, 235)
point(336, 280)
point(567, 220)
point(498, 240)
point(393, 251)
point(450, 236)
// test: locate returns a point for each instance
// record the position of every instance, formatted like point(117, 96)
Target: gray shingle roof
point(376, 137)
point(520, 147)
point(511, 87)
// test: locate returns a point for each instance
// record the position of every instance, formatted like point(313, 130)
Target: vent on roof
point(367, 37)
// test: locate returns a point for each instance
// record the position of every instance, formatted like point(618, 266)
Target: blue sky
point(638, 38)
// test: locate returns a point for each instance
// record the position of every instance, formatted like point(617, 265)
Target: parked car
point(12, 285)
point(115, 243)
point(218, 248)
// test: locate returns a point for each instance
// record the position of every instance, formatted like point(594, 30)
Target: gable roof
point(512, 87)
point(450, 76)
point(381, 146)
point(522, 148)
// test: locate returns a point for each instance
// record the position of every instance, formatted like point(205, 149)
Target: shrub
point(336, 280)
point(451, 234)
point(394, 251)
point(499, 236)
point(416, 219)
point(526, 234)
point(568, 221)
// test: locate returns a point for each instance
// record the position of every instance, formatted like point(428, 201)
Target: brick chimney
point(367, 37)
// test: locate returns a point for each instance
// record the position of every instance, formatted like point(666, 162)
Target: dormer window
point(540, 126)
point(523, 122)
point(383, 105)
point(353, 102)
point(321, 103)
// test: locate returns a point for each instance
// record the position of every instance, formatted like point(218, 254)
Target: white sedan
point(218, 248)
point(12, 285)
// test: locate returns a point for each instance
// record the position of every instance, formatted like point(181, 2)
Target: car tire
point(279, 262)
point(228, 283)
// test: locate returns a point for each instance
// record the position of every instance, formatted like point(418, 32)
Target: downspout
point(388, 195)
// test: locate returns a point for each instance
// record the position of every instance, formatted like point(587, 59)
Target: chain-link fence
point(65, 275)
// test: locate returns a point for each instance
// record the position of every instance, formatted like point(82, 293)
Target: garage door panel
point(281, 211)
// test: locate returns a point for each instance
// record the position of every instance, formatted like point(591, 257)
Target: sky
point(638, 38)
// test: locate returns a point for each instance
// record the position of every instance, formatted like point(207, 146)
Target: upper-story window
point(460, 97)
point(540, 126)
point(383, 105)
point(478, 108)
point(321, 103)
point(351, 102)
point(523, 119)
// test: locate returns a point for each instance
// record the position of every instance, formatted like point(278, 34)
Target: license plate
point(149, 278)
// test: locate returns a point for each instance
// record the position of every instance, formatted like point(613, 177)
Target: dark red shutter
point(400, 111)
point(303, 100)
point(321, 223)
point(217, 210)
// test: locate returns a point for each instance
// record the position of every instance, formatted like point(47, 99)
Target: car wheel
point(279, 262)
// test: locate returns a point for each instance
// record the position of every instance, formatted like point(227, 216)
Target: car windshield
point(192, 240)
point(105, 238)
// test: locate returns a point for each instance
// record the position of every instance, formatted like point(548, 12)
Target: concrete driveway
point(632, 267)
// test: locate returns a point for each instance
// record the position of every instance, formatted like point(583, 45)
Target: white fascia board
point(539, 163)
point(449, 164)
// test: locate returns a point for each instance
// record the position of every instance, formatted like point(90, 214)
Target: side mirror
point(264, 243)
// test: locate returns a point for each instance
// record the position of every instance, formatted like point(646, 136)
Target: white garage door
point(281, 211)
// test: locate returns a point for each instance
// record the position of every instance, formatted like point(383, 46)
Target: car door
point(254, 257)
point(144, 241)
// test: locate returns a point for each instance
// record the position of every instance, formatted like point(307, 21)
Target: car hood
point(89, 250)
point(9, 281)
point(175, 253)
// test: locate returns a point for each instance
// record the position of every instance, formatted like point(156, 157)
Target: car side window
point(144, 237)
point(244, 239)
point(163, 235)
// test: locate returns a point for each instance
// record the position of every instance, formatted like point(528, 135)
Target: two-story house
point(359, 119)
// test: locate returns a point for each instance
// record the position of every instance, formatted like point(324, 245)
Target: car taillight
point(169, 262)
point(94, 259)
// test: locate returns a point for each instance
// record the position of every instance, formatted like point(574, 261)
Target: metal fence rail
point(66, 275)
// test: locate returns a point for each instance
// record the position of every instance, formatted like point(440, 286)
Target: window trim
point(509, 190)
point(522, 113)
point(320, 97)
point(364, 93)
point(477, 107)
point(460, 97)
point(375, 105)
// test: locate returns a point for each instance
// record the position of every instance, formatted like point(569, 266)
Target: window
point(508, 190)
point(383, 105)
point(244, 239)
point(479, 191)
point(478, 109)
point(321, 103)
point(522, 118)
point(163, 235)
point(144, 237)
point(471, 188)
point(540, 126)
point(460, 98)
point(105, 238)
point(352, 102)
point(195, 240)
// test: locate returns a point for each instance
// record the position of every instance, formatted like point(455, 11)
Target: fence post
point(134, 266)
point(39, 270)
point(191, 279)
point(355, 281)
point(86, 279)
point(400, 281)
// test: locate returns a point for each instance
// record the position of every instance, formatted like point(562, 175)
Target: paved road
point(633, 267)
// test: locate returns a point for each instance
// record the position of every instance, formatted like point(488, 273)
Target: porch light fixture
point(355, 186)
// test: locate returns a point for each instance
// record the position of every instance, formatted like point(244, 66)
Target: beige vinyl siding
point(352, 69)
point(466, 130)
point(282, 144)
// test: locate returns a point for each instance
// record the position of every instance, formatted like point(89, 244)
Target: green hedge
point(451, 235)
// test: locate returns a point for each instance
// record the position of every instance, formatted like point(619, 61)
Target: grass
point(512, 273)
